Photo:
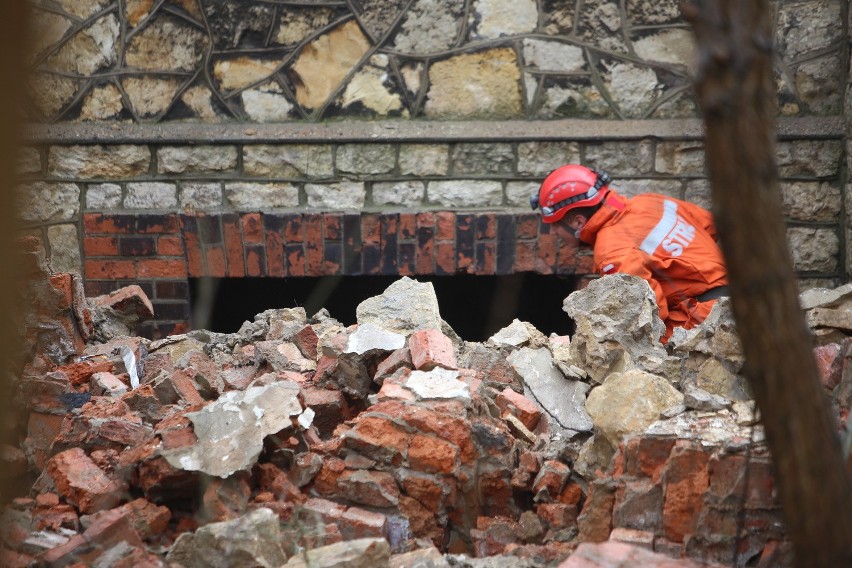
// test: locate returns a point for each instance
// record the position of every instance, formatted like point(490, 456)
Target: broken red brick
point(557, 515)
point(550, 481)
point(432, 454)
point(82, 483)
point(270, 478)
point(829, 359)
point(127, 300)
point(329, 406)
point(106, 531)
point(519, 406)
point(378, 438)
point(80, 373)
point(595, 520)
point(359, 523)
point(686, 480)
point(183, 382)
point(149, 520)
point(430, 348)
point(225, 499)
point(306, 340)
point(399, 359)
point(368, 487)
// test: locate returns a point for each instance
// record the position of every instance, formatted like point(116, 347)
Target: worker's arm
point(703, 218)
point(635, 263)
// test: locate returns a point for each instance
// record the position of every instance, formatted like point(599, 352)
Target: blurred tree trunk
point(737, 96)
point(14, 42)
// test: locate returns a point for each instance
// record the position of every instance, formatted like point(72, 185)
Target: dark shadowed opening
point(476, 307)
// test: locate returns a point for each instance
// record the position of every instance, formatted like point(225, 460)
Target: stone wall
point(211, 113)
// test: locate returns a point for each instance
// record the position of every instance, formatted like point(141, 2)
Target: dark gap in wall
point(476, 307)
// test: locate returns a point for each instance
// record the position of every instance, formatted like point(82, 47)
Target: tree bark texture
point(737, 94)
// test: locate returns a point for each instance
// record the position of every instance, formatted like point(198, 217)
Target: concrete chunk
point(231, 430)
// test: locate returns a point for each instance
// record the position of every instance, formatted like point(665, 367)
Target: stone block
point(151, 195)
point(196, 159)
point(468, 193)
point(44, 202)
point(244, 196)
point(344, 195)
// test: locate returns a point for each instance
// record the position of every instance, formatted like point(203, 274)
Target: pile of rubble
point(299, 441)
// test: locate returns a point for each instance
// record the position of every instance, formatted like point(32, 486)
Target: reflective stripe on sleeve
point(664, 226)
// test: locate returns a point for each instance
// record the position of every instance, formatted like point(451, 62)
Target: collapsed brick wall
point(406, 443)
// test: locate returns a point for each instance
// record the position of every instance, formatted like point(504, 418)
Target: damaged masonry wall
point(394, 436)
point(219, 138)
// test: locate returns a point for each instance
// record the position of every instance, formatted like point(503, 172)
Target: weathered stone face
point(494, 18)
point(240, 72)
point(89, 50)
point(253, 196)
point(102, 103)
point(492, 76)
point(48, 201)
point(324, 63)
point(295, 24)
point(267, 103)
point(234, 24)
point(150, 96)
point(301, 161)
point(627, 403)
point(167, 44)
point(617, 327)
point(814, 249)
point(429, 26)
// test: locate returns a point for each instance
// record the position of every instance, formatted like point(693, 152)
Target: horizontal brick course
point(160, 252)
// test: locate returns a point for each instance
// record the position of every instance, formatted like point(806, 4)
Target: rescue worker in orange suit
point(668, 242)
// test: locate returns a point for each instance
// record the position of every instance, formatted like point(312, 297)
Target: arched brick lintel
point(160, 252)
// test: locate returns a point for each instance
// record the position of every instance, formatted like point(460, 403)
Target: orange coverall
point(668, 242)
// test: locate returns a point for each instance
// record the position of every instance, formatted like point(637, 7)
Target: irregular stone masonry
point(455, 459)
point(256, 62)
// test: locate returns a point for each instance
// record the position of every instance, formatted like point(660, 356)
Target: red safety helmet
point(567, 188)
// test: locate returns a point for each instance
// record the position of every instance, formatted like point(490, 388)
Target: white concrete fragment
point(231, 430)
point(437, 383)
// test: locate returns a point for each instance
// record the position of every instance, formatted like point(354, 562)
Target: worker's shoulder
point(660, 200)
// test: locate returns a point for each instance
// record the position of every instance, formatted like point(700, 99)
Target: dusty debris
point(296, 439)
